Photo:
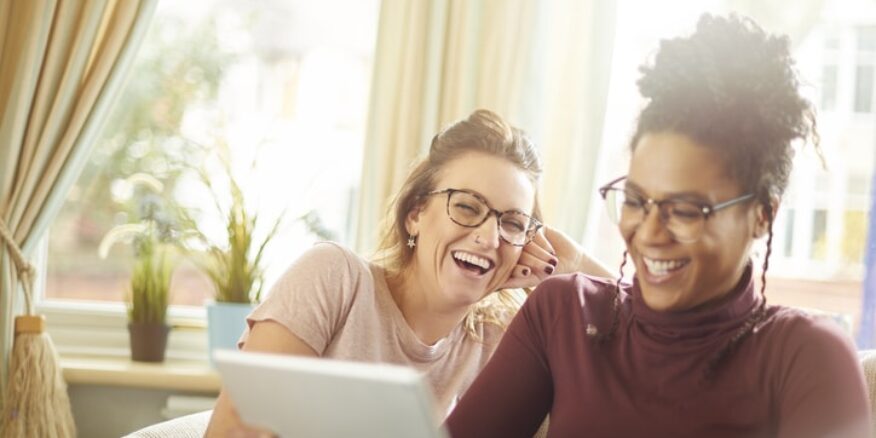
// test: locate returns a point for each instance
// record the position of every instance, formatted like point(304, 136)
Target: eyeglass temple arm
point(607, 186)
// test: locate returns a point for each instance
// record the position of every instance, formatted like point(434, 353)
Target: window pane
point(867, 39)
point(280, 91)
point(864, 88)
point(854, 236)
point(789, 232)
point(828, 87)
point(819, 235)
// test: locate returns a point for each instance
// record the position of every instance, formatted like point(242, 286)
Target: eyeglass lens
point(468, 210)
point(683, 219)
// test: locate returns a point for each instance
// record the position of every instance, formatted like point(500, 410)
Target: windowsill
point(173, 374)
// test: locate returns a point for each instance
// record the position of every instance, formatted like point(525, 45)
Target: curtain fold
point(62, 64)
point(570, 110)
point(541, 65)
point(435, 62)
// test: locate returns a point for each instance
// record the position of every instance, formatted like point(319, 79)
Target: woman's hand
point(551, 252)
point(267, 337)
point(244, 431)
point(537, 261)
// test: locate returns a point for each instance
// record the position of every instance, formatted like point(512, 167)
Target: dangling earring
point(412, 241)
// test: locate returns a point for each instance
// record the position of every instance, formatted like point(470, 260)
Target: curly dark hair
point(732, 87)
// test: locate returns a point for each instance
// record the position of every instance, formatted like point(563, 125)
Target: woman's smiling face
point(676, 276)
point(447, 255)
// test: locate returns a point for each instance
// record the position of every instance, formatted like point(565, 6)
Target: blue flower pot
point(225, 323)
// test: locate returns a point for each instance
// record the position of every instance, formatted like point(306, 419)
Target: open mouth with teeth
point(472, 262)
point(663, 267)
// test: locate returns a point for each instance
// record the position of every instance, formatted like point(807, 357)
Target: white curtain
point(541, 65)
point(567, 115)
point(62, 64)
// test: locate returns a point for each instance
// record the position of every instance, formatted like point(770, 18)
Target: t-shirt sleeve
point(313, 296)
point(823, 393)
point(513, 393)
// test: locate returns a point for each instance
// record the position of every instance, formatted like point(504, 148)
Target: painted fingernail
point(525, 272)
point(549, 269)
point(553, 252)
point(553, 262)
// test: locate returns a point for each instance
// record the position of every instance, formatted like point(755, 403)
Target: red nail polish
point(525, 272)
point(553, 262)
point(549, 269)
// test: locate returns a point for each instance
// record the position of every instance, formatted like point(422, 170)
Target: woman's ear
point(412, 220)
point(764, 217)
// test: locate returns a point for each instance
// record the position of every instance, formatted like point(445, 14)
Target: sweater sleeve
point(823, 392)
point(513, 393)
point(313, 296)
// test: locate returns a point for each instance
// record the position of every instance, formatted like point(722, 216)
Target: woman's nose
point(653, 227)
point(487, 234)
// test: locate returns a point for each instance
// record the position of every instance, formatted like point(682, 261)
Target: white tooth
point(473, 259)
point(662, 266)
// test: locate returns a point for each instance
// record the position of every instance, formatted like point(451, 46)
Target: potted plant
point(234, 265)
point(152, 237)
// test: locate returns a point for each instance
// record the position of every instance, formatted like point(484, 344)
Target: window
point(287, 82)
point(284, 84)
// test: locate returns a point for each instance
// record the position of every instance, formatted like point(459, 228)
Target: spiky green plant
point(235, 267)
point(150, 284)
point(153, 236)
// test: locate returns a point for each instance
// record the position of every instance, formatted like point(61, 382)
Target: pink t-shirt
point(340, 305)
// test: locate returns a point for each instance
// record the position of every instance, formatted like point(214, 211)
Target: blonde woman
point(465, 226)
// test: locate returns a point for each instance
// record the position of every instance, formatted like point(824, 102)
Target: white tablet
point(309, 397)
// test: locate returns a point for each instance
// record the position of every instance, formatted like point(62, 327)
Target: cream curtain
point(436, 61)
point(568, 114)
point(62, 64)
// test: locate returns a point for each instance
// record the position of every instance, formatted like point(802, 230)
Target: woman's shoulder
point(798, 331)
point(332, 255)
point(797, 322)
point(579, 288)
point(325, 263)
point(326, 250)
point(578, 295)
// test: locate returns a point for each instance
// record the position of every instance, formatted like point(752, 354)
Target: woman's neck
point(421, 305)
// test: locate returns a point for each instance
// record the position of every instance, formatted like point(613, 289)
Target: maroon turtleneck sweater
point(796, 376)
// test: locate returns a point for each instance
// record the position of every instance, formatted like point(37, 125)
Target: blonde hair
point(485, 132)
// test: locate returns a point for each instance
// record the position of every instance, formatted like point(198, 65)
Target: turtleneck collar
point(701, 323)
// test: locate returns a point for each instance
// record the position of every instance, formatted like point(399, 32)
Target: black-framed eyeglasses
point(470, 210)
point(684, 218)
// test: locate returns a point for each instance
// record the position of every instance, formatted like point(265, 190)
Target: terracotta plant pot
point(148, 341)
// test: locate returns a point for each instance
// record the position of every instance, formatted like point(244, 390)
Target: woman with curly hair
point(691, 348)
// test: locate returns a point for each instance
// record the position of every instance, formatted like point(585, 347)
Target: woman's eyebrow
point(490, 205)
point(686, 196)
